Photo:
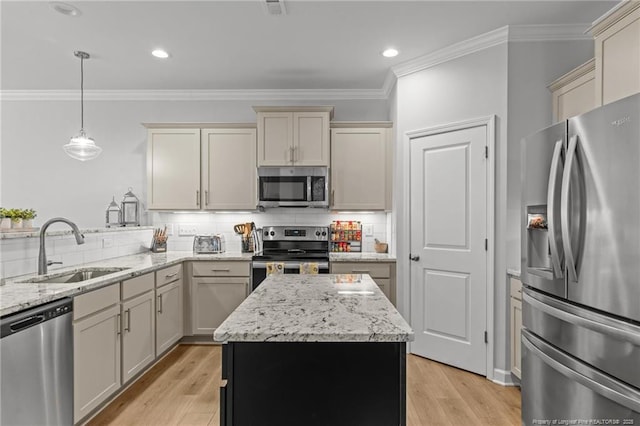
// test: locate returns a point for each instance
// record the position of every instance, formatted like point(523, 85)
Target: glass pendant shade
point(82, 147)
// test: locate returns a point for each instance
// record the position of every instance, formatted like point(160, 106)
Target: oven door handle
point(288, 265)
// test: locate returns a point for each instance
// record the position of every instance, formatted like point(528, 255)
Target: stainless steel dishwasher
point(36, 366)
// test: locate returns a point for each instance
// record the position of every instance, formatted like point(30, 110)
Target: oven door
point(290, 267)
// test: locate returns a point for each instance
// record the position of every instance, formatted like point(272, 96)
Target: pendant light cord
point(82, 93)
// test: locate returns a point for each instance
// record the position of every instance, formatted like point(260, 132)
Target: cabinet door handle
point(197, 197)
point(333, 197)
point(206, 197)
point(296, 154)
point(291, 154)
point(119, 324)
point(128, 320)
point(160, 304)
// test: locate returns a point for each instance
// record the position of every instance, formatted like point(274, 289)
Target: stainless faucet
point(42, 255)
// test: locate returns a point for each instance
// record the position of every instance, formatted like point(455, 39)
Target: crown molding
point(573, 75)
point(454, 51)
point(510, 33)
point(389, 83)
point(192, 95)
point(613, 15)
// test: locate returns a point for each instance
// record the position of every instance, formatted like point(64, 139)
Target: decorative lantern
point(130, 209)
point(113, 214)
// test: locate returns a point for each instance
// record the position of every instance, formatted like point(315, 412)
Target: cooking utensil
point(239, 229)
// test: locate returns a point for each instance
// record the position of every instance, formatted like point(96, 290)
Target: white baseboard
point(504, 378)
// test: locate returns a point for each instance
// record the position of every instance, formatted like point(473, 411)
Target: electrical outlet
point(107, 242)
point(169, 228)
point(185, 230)
point(367, 230)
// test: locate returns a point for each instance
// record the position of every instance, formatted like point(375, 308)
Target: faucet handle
point(50, 262)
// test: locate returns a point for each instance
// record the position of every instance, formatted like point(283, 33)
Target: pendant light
point(82, 147)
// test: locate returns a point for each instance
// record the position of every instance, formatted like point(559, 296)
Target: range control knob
point(266, 233)
point(324, 233)
point(272, 233)
point(317, 233)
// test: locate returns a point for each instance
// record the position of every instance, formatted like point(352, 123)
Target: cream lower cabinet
point(617, 52)
point(138, 334)
point(383, 273)
point(516, 325)
point(229, 174)
point(217, 288)
point(114, 339)
point(361, 168)
point(96, 349)
point(169, 314)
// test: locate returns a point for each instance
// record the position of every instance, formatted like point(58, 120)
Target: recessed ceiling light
point(159, 53)
point(390, 53)
point(65, 9)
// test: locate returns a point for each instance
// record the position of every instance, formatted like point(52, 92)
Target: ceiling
point(236, 45)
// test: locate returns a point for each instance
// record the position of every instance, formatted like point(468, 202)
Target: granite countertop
point(361, 257)
point(513, 272)
point(16, 295)
point(315, 308)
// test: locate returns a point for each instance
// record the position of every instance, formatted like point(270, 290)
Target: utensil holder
point(247, 244)
point(157, 247)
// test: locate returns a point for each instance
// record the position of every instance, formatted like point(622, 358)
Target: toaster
point(208, 244)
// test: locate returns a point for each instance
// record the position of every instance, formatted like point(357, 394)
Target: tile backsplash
point(222, 223)
point(19, 256)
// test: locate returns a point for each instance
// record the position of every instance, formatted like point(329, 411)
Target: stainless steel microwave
point(293, 187)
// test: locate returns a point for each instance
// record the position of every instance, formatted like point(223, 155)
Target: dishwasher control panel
point(19, 321)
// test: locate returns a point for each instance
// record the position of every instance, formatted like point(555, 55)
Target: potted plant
point(16, 218)
point(27, 217)
point(5, 218)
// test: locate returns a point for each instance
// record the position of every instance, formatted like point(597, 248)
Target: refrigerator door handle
point(572, 315)
point(553, 224)
point(564, 209)
point(581, 373)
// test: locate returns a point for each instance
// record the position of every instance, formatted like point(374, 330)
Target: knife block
point(157, 247)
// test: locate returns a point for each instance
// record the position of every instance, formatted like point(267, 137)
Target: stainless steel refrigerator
point(581, 269)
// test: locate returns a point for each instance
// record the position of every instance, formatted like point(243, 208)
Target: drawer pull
point(355, 271)
point(221, 270)
point(171, 275)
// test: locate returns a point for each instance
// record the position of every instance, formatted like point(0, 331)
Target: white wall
point(469, 87)
point(36, 173)
point(509, 81)
point(532, 66)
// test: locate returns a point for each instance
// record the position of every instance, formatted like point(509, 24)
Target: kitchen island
point(314, 350)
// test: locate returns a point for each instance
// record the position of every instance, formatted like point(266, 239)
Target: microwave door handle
point(553, 221)
point(564, 209)
point(309, 179)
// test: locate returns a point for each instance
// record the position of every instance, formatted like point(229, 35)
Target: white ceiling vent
point(274, 7)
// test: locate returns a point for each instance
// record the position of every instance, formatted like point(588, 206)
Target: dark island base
point(315, 383)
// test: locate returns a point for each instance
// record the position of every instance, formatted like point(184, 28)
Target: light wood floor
point(182, 389)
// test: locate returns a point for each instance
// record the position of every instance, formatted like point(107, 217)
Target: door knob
point(414, 258)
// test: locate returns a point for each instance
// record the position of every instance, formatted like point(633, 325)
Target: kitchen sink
point(76, 276)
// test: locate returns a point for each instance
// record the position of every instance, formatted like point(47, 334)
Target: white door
point(448, 231)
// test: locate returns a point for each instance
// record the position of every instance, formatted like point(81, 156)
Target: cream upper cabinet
point(361, 162)
point(574, 93)
point(173, 169)
point(293, 136)
point(617, 53)
point(229, 178)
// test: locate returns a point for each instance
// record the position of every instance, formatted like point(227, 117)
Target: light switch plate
point(187, 229)
point(367, 230)
point(169, 228)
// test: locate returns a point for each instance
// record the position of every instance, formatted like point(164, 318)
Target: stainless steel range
point(288, 247)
